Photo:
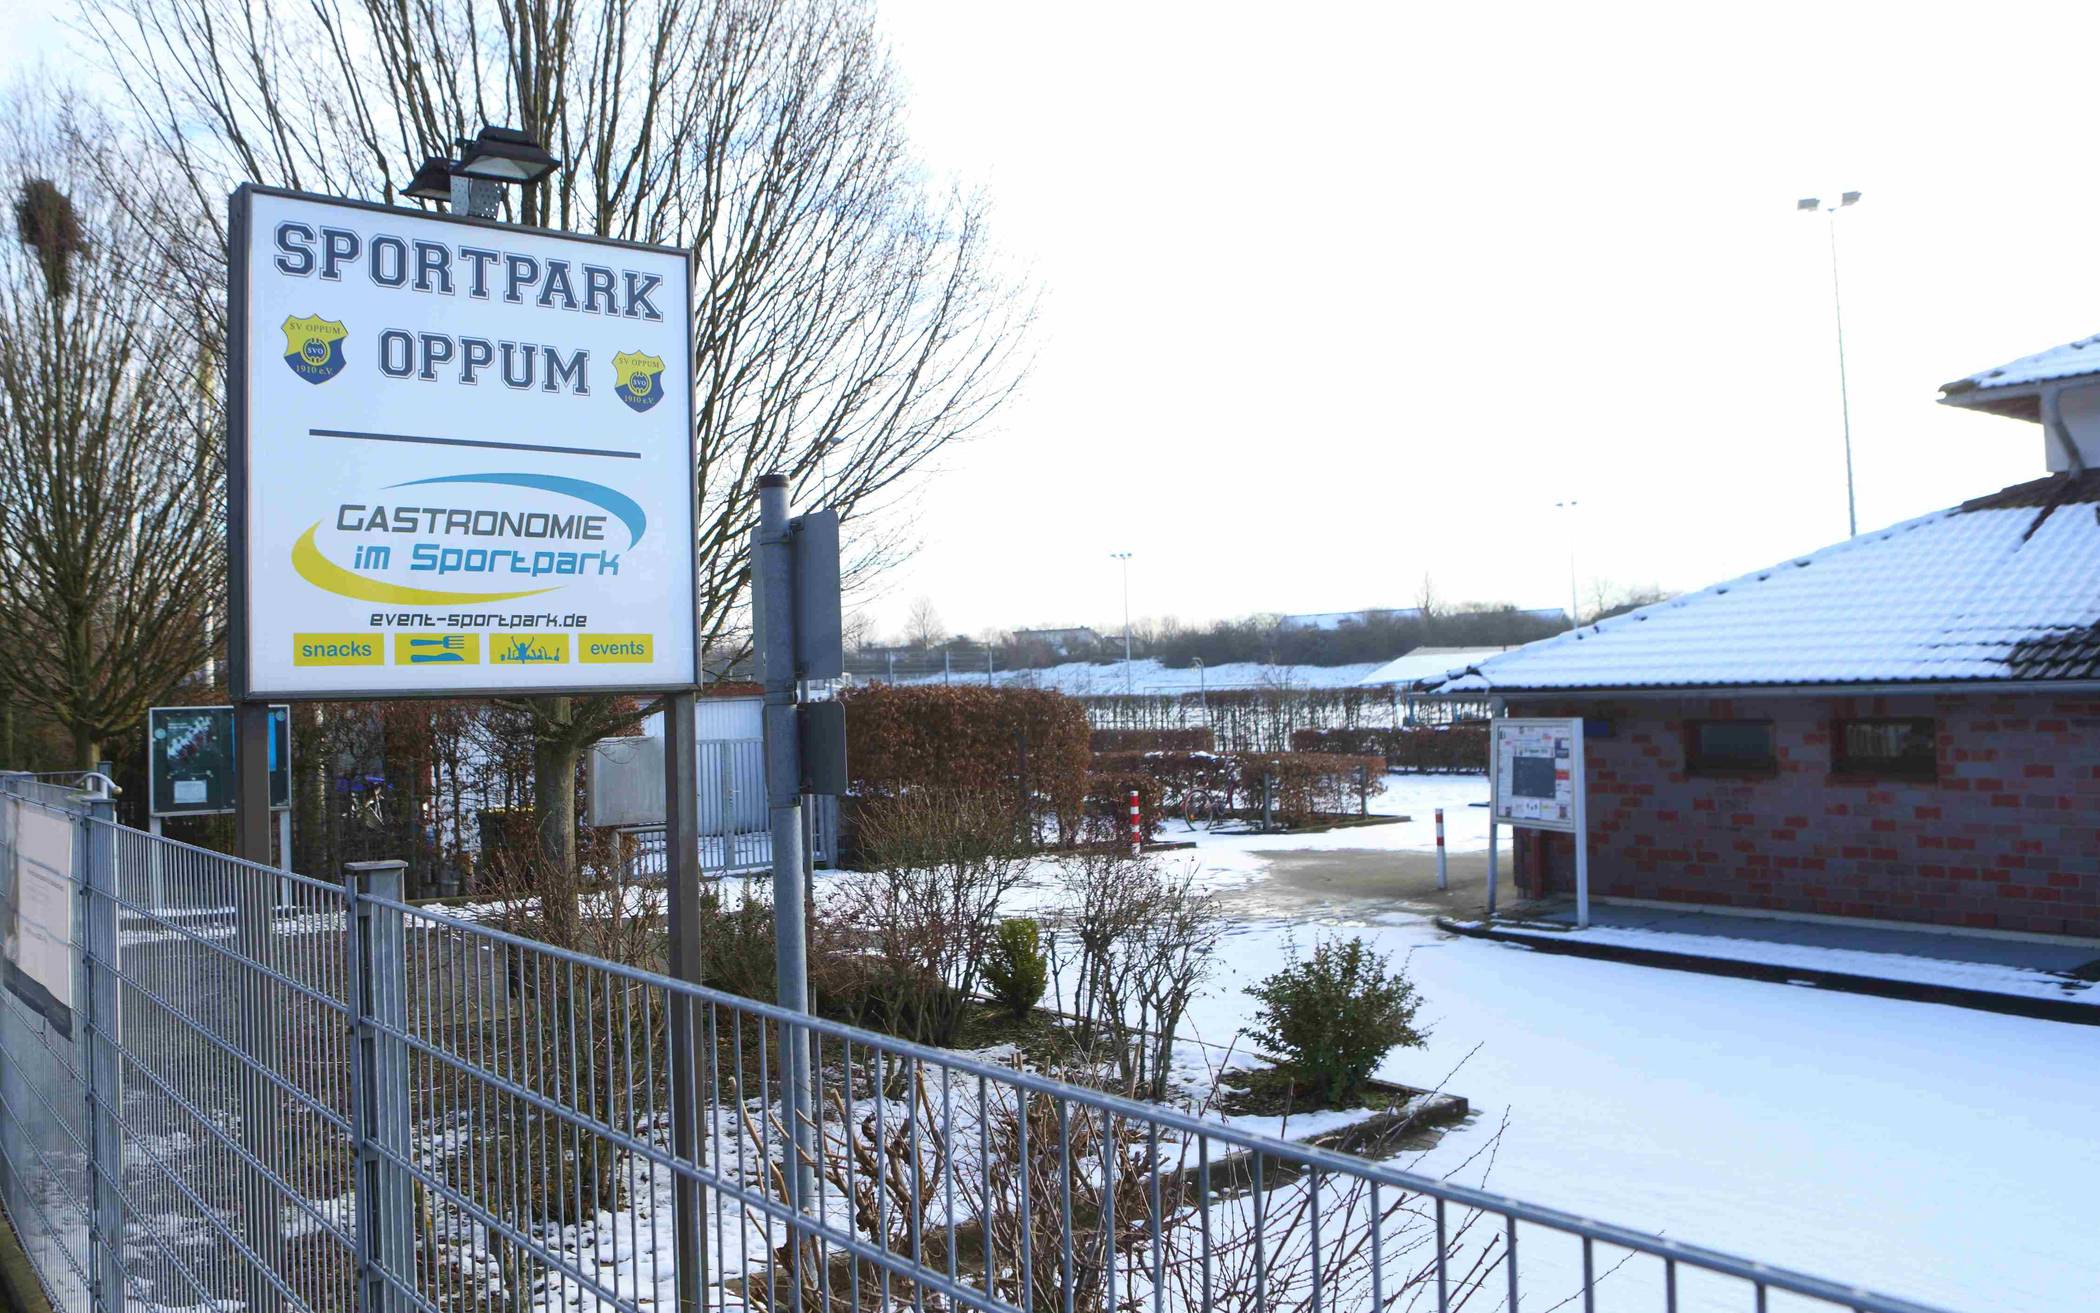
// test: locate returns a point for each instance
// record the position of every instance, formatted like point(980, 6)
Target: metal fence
point(351, 1102)
point(735, 837)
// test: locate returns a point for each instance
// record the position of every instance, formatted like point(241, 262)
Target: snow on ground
point(1938, 1153)
point(1935, 1152)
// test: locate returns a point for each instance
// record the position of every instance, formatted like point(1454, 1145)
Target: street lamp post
point(1837, 302)
point(471, 184)
point(1574, 615)
point(1124, 557)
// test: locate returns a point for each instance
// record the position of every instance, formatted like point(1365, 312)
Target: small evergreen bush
point(1017, 971)
point(1334, 1015)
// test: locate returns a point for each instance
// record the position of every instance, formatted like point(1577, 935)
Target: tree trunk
point(555, 754)
point(86, 750)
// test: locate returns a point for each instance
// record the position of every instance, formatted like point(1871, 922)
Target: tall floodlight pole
point(1574, 616)
point(1124, 557)
point(1837, 303)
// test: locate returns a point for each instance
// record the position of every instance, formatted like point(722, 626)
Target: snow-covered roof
point(2059, 362)
point(2004, 587)
point(1427, 663)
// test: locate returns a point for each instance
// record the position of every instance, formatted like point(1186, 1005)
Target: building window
point(1891, 748)
point(1729, 747)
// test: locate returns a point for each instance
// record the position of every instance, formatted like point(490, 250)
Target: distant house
point(1903, 726)
point(1074, 642)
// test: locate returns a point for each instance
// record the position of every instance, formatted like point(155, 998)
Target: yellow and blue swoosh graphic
point(314, 567)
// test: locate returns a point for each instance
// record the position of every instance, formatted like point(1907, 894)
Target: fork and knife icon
point(451, 647)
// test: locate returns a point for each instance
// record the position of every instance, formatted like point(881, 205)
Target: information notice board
point(189, 759)
point(1537, 781)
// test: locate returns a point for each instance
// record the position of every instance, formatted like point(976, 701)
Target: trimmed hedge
point(1173, 774)
point(1108, 805)
point(1026, 744)
point(1153, 740)
point(1310, 784)
point(1457, 748)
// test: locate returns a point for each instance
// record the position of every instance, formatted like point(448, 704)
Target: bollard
point(1443, 879)
point(1137, 828)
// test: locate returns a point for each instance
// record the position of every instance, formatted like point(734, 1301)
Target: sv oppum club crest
point(313, 347)
point(640, 379)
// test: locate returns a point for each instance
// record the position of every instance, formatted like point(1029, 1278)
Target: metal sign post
point(1537, 780)
point(796, 620)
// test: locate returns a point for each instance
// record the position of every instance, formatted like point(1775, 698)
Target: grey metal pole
point(1837, 302)
point(1124, 557)
point(682, 881)
point(385, 1219)
point(1574, 612)
point(773, 582)
point(1495, 709)
point(254, 909)
point(105, 1079)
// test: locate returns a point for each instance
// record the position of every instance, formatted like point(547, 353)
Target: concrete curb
point(1981, 1000)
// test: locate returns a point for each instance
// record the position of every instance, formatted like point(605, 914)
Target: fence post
point(1268, 802)
point(105, 1088)
point(1363, 790)
point(683, 1037)
point(379, 1085)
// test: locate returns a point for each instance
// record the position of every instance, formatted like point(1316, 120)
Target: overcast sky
point(1339, 296)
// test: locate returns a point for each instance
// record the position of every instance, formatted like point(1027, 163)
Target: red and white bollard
point(1443, 879)
point(1137, 827)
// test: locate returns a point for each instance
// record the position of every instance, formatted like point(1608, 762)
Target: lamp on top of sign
point(463, 456)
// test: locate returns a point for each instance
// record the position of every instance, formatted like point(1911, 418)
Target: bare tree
point(1608, 598)
point(922, 625)
point(848, 323)
point(109, 495)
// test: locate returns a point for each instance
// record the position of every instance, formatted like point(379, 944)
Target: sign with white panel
point(1536, 781)
point(462, 455)
point(36, 902)
point(1535, 776)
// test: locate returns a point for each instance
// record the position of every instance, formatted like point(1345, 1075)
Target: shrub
point(1153, 740)
point(1173, 774)
point(1333, 1016)
point(1137, 938)
point(736, 944)
point(1456, 748)
point(926, 915)
point(1311, 784)
point(1025, 747)
point(1017, 972)
point(1108, 805)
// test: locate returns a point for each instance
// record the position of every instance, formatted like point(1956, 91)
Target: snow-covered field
point(1938, 1153)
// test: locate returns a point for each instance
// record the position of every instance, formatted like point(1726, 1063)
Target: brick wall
point(2007, 838)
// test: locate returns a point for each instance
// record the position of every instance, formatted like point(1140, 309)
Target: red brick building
point(1904, 726)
